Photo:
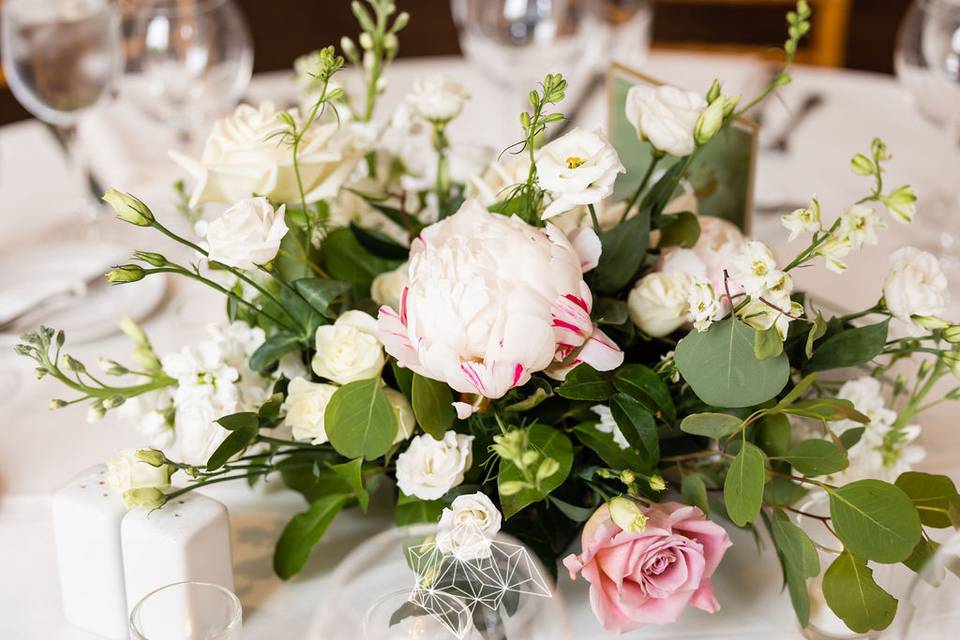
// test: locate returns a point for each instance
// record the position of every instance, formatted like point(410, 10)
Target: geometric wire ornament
point(459, 590)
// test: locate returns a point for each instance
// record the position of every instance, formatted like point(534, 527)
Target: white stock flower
point(806, 220)
point(247, 234)
point(387, 288)
point(429, 468)
point(704, 305)
point(437, 98)
point(608, 425)
point(153, 415)
point(658, 303)
point(468, 526)
point(349, 349)
point(245, 155)
point(860, 224)
point(492, 300)
point(665, 116)
point(126, 471)
point(915, 285)
point(833, 251)
point(305, 407)
point(755, 269)
point(578, 168)
point(498, 179)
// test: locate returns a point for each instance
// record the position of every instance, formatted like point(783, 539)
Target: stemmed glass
point(188, 61)
point(927, 61)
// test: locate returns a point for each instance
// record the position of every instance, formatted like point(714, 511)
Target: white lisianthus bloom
point(608, 425)
point(658, 303)
point(406, 420)
point(492, 300)
point(437, 98)
point(578, 168)
point(498, 179)
point(806, 220)
point(915, 285)
point(665, 116)
point(755, 270)
point(305, 407)
point(247, 234)
point(860, 224)
point(468, 526)
point(349, 349)
point(126, 471)
point(243, 156)
point(704, 305)
point(429, 468)
point(387, 288)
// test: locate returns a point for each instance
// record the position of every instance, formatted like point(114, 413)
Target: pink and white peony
point(492, 300)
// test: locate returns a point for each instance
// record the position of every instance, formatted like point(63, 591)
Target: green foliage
point(609, 451)
point(934, 497)
point(637, 425)
point(875, 520)
point(693, 491)
point(817, 457)
point(622, 254)
point(360, 421)
point(243, 429)
point(302, 533)
point(345, 259)
point(711, 425)
point(720, 366)
point(274, 348)
point(680, 229)
point(850, 347)
point(743, 486)
point(352, 474)
point(773, 434)
point(644, 385)
point(586, 383)
point(522, 483)
point(854, 596)
point(800, 561)
point(767, 344)
point(432, 405)
point(320, 293)
point(412, 510)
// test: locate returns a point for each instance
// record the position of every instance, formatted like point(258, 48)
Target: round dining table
point(40, 450)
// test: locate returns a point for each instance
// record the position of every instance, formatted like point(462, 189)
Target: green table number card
point(721, 176)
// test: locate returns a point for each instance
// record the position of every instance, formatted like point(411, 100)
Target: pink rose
point(719, 243)
point(651, 576)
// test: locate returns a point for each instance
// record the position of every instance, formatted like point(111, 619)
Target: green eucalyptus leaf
point(850, 347)
point(432, 405)
point(875, 520)
point(604, 446)
point(711, 425)
point(743, 486)
point(817, 457)
point(852, 594)
point(693, 491)
point(679, 229)
point(826, 409)
point(610, 311)
point(798, 390)
point(932, 495)
point(274, 348)
point(773, 434)
point(921, 554)
point(404, 378)
point(720, 366)
point(411, 510)
point(586, 383)
point(767, 344)
point(622, 251)
point(783, 492)
point(800, 561)
point(851, 437)
point(359, 420)
point(302, 533)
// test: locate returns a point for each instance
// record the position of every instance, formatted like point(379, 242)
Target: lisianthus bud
point(627, 515)
point(862, 165)
point(151, 258)
point(366, 41)
point(112, 367)
point(902, 203)
point(126, 273)
point(628, 477)
point(147, 498)
point(954, 394)
point(952, 334)
point(57, 404)
point(710, 122)
point(952, 360)
point(129, 208)
point(511, 487)
point(930, 323)
point(657, 483)
point(348, 47)
point(729, 104)
point(113, 402)
point(152, 457)
point(390, 42)
point(714, 92)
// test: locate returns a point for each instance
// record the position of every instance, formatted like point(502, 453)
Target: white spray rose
point(915, 285)
point(577, 169)
point(437, 98)
point(305, 407)
point(665, 116)
point(387, 288)
point(126, 471)
point(247, 234)
point(243, 156)
point(429, 468)
point(468, 526)
point(658, 303)
point(348, 349)
point(492, 300)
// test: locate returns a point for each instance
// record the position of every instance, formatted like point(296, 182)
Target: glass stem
point(88, 188)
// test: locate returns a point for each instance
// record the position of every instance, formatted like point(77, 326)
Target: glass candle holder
point(187, 611)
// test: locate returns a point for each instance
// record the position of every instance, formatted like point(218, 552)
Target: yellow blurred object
point(825, 46)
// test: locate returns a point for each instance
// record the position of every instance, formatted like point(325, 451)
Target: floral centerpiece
point(511, 348)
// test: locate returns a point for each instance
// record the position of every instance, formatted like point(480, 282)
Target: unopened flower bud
point(145, 498)
point(627, 514)
point(952, 334)
point(528, 458)
point(729, 104)
point(113, 402)
point(129, 208)
point(511, 487)
point(57, 404)
point(953, 394)
point(112, 367)
point(126, 273)
point(390, 42)
point(714, 92)
point(628, 477)
point(152, 457)
point(40, 372)
point(547, 468)
point(657, 483)
point(366, 41)
point(952, 360)
point(862, 165)
point(710, 122)
point(930, 323)
point(403, 18)
point(348, 47)
point(72, 364)
point(151, 258)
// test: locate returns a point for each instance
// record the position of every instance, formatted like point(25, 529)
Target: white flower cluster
point(883, 452)
point(755, 272)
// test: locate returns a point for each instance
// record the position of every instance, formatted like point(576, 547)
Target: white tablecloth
point(40, 450)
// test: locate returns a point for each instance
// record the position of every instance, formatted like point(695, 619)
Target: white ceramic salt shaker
point(188, 539)
point(86, 526)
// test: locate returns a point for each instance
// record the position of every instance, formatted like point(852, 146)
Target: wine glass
point(188, 611)
point(927, 60)
point(515, 43)
point(188, 61)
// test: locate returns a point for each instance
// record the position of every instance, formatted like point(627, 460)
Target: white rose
point(468, 526)
point(387, 288)
point(429, 468)
point(492, 300)
point(665, 116)
point(349, 349)
point(437, 98)
point(719, 243)
point(126, 471)
point(577, 169)
point(244, 155)
point(406, 420)
point(916, 285)
point(247, 234)
point(305, 407)
point(658, 303)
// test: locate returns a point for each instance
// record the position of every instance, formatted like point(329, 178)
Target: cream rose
point(915, 285)
point(658, 303)
point(468, 526)
point(437, 98)
point(247, 234)
point(429, 468)
point(387, 288)
point(305, 407)
point(245, 155)
point(720, 242)
point(665, 116)
point(348, 349)
point(577, 169)
point(406, 420)
point(127, 471)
